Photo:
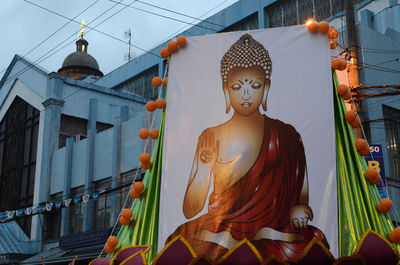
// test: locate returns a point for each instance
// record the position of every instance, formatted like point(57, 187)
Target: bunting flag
point(10, 214)
point(39, 209)
point(67, 202)
point(57, 205)
point(49, 206)
point(95, 196)
point(28, 211)
point(3, 217)
point(76, 199)
point(19, 212)
point(85, 198)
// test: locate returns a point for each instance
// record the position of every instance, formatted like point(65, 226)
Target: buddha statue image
point(257, 166)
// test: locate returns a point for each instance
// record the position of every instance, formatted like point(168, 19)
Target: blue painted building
point(75, 132)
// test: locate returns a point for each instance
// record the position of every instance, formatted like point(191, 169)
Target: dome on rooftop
point(80, 59)
point(80, 64)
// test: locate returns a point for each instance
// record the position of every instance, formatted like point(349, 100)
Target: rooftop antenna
point(128, 36)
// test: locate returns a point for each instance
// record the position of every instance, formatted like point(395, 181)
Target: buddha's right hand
point(300, 214)
point(208, 147)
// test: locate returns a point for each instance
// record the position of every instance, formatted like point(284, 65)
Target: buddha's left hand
point(300, 214)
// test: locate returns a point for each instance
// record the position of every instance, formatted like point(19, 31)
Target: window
point(29, 157)
point(323, 9)
point(290, 10)
point(294, 12)
point(76, 211)
point(71, 127)
point(338, 6)
point(306, 10)
point(248, 23)
point(392, 130)
point(126, 180)
point(100, 126)
point(141, 84)
point(18, 146)
point(274, 15)
point(52, 219)
point(103, 203)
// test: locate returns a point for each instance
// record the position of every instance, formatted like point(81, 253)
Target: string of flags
point(46, 207)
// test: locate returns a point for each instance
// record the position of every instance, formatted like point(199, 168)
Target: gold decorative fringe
point(183, 240)
point(236, 246)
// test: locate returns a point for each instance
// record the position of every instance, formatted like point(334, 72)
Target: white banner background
point(300, 95)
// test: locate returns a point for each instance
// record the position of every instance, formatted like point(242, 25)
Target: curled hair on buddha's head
point(246, 52)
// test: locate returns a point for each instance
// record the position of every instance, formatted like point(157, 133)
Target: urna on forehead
point(246, 52)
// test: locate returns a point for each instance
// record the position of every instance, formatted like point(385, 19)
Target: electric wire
point(174, 34)
point(375, 107)
point(153, 116)
point(395, 214)
point(377, 64)
point(55, 32)
point(94, 28)
point(181, 30)
point(178, 13)
point(167, 17)
point(79, 195)
point(185, 27)
point(118, 190)
point(34, 63)
point(145, 147)
point(84, 192)
point(44, 57)
point(191, 24)
point(379, 68)
point(375, 50)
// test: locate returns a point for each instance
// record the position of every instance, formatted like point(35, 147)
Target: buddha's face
point(246, 88)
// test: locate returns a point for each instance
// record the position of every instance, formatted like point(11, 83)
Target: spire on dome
point(80, 64)
point(82, 31)
point(81, 43)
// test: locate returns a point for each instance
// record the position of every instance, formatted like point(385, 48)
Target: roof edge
point(97, 88)
point(25, 61)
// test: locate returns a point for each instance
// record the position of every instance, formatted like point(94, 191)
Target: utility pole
point(352, 47)
point(352, 43)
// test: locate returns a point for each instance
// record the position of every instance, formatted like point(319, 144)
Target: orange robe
point(261, 198)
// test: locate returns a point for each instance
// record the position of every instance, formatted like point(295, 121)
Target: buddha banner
point(249, 147)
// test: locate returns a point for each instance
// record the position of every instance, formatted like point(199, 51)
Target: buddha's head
point(245, 71)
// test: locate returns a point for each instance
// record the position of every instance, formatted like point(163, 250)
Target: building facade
point(71, 133)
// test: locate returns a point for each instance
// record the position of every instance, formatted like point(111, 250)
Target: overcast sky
point(25, 25)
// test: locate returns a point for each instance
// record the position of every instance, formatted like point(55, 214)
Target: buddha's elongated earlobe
point(265, 94)
point(227, 98)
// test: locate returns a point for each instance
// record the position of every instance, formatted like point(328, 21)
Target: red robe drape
point(261, 198)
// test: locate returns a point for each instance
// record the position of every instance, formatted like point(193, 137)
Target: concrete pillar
point(124, 113)
point(116, 170)
point(52, 118)
point(261, 16)
point(88, 208)
point(66, 212)
point(366, 18)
